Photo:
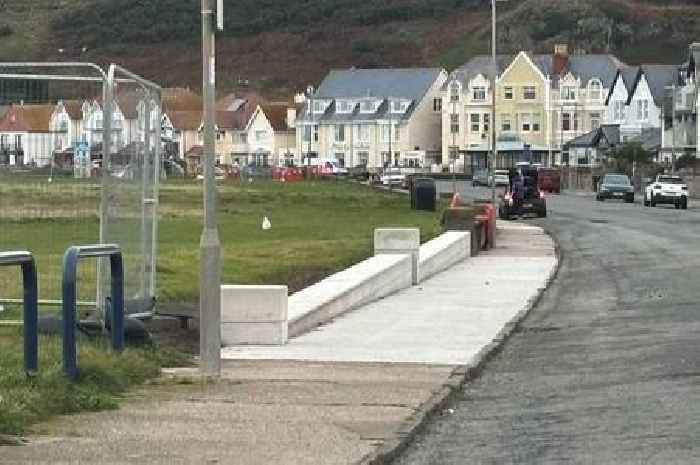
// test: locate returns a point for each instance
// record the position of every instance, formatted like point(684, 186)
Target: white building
point(25, 137)
point(373, 117)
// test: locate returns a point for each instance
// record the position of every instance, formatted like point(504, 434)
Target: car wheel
point(684, 203)
point(646, 202)
point(652, 202)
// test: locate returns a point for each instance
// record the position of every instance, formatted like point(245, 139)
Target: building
point(271, 135)
point(25, 137)
point(373, 117)
point(66, 125)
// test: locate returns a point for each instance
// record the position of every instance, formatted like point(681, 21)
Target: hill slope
point(281, 46)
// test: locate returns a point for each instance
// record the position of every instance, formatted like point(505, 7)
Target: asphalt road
point(606, 368)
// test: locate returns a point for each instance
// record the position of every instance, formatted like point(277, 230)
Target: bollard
point(70, 266)
point(31, 303)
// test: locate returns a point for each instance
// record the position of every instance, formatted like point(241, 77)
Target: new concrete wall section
point(253, 315)
point(399, 241)
point(365, 282)
point(443, 252)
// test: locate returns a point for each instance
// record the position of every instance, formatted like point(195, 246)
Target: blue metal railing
point(31, 302)
point(70, 265)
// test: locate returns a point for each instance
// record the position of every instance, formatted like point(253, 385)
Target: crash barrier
point(443, 252)
point(404, 241)
point(370, 280)
point(253, 315)
point(31, 300)
point(70, 266)
point(422, 193)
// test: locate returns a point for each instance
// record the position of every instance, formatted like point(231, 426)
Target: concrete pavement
point(352, 391)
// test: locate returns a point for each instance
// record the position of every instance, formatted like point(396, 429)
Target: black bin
point(425, 194)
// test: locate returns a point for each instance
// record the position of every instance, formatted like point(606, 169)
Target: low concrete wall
point(365, 282)
point(253, 315)
point(443, 252)
point(399, 241)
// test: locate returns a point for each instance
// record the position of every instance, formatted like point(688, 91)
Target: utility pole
point(210, 247)
point(673, 128)
point(391, 155)
point(310, 95)
point(494, 64)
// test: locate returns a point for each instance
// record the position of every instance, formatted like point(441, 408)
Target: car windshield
point(670, 180)
point(619, 180)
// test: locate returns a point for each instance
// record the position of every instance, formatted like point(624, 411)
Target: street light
point(210, 246)
point(310, 98)
point(672, 90)
point(494, 64)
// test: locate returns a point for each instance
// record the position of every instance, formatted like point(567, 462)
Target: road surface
point(606, 368)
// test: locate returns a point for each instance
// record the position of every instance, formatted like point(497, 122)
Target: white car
point(667, 189)
point(395, 177)
point(502, 177)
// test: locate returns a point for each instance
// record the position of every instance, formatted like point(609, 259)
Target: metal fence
point(82, 167)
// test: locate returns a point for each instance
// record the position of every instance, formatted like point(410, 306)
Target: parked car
point(481, 178)
point(615, 186)
point(533, 200)
point(667, 189)
point(549, 180)
point(219, 175)
point(501, 177)
point(394, 177)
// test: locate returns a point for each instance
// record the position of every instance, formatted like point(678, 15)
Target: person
point(518, 191)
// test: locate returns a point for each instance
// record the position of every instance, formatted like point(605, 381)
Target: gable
point(641, 90)
point(523, 70)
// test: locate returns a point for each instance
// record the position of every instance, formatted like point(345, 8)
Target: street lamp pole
point(494, 64)
point(210, 247)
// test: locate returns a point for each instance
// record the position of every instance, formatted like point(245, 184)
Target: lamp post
point(310, 98)
point(494, 64)
point(210, 247)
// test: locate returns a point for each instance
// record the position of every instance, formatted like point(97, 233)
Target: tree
point(629, 156)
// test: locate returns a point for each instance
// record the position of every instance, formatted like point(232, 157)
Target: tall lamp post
point(494, 64)
point(209, 246)
point(310, 98)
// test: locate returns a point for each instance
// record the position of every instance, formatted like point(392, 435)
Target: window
point(595, 92)
point(487, 119)
point(568, 93)
point(4, 144)
point(508, 93)
point(318, 107)
point(479, 93)
point(368, 107)
point(437, 105)
point(385, 132)
point(363, 158)
point(339, 131)
point(505, 123)
point(345, 107)
point(536, 122)
point(397, 133)
point(475, 118)
point(18, 142)
point(575, 121)
point(526, 124)
point(642, 110)
point(529, 93)
point(363, 133)
point(341, 159)
point(397, 107)
point(566, 121)
point(260, 136)
point(454, 92)
point(619, 110)
point(307, 134)
point(454, 123)
point(595, 121)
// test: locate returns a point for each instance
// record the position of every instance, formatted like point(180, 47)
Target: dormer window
point(479, 93)
point(454, 91)
point(345, 106)
point(368, 106)
point(596, 90)
point(568, 93)
point(398, 106)
point(319, 107)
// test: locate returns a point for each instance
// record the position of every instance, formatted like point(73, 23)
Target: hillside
point(279, 49)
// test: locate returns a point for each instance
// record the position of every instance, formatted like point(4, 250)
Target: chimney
point(560, 59)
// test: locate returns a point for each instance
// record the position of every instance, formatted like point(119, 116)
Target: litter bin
point(425, 193)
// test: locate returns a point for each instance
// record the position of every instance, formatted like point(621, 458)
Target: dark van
point(549, 180)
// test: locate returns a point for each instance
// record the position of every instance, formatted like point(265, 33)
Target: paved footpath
point(350, 392)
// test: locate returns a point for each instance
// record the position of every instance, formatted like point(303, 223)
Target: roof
point(180, 99)
point(3, 110)
point(629, 75)
point(609, 132)
point(480, 64)
point(27, 118)
point(128, 102)
point(588, 67)
point(231, 120)
point(185, 120)
point(277, 116)
point(74, 108)
point(195, 151)
point(405, 83)
point(657, 77)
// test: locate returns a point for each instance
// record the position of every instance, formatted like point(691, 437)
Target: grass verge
point(103, 378)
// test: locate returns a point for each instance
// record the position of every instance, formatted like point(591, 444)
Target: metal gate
point(89, 174)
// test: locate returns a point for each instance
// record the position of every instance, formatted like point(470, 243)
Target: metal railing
point(31, 303)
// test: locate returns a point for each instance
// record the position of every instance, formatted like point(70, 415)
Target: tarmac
point(353, 391)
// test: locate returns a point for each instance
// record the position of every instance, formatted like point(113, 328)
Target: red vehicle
point(549, 180)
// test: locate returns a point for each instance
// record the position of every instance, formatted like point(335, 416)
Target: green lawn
point(318, 227)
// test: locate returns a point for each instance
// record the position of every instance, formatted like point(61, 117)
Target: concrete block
point(272, 333)
point(254, 315)
point(366, 282)
point(253, 303)
point(443, 252)
point(399, 241)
